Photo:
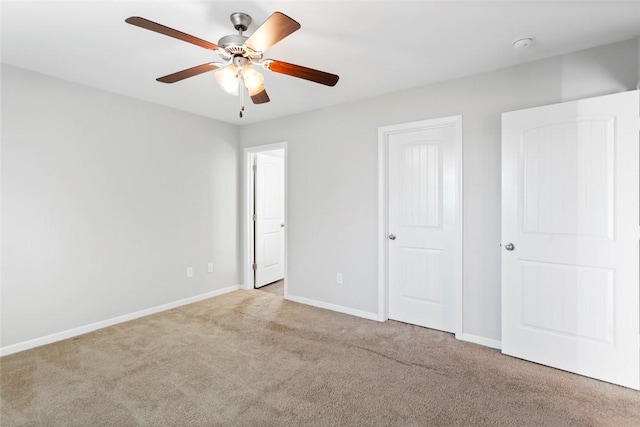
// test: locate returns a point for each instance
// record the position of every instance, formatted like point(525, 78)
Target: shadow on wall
point(583, 73)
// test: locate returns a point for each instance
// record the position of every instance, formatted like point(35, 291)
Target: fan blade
point(261, 97)
point(301, 72)
point(159, 28)
point(274, 29)
point(189, 72)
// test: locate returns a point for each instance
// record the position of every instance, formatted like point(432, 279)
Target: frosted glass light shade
point(252, 80)
point(256, 90)
point(227, 78)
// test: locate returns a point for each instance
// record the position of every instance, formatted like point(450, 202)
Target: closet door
point(425, 259)
point(570, 230)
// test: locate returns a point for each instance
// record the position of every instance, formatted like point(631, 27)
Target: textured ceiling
point(376, 47)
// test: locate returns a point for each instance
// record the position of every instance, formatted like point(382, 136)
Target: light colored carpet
point(249, 358)
point(276, 288)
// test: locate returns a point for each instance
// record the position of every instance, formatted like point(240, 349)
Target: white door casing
point(423, 230)
point(269, 218)
point(570, 186)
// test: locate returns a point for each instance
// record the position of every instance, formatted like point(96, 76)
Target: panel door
point(571, 212)
point(422, 189)
point(269, 218)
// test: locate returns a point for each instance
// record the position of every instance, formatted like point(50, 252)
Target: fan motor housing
point(233, 45)
point(232, 40)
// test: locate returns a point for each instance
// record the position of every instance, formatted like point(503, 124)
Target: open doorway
point(265, 225)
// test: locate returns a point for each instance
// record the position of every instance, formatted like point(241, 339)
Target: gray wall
point(105, 201)
point(332, 175)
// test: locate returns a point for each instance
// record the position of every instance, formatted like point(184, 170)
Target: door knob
point(392, 237)
point(281, 225)
point(509, 246)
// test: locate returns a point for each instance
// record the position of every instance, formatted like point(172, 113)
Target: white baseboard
point(487, 342)
point(334, 307)
point(70, 333)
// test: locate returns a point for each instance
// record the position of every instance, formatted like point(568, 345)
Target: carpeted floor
point(275, 288)
point(249, 358)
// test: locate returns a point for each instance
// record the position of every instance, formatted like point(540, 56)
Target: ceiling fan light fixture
point(256, 90)
point(238, 53)
point(253, 80)
point(228, 80)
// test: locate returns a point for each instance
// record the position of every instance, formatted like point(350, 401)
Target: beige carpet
point(251, 359)
point(276, 288)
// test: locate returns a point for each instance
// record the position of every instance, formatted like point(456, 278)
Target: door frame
point(247, 213)
point(383, 210)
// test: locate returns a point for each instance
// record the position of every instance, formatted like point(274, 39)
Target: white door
point(269, 217)
point(570, 218)
point(423, 224)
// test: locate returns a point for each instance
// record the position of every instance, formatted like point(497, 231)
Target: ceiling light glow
point(228, 79)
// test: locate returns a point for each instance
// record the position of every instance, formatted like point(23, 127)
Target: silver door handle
point(392, 237)
point(509, 246)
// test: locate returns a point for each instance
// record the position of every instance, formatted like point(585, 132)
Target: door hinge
point(255, 167)
point(255, 217)
point(255, 267)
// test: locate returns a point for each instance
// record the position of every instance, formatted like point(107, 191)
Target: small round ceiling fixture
point(523, 43)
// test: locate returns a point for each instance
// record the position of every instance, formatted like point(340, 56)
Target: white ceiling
point(376, 47)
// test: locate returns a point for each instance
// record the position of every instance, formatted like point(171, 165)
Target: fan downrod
point(240, 21)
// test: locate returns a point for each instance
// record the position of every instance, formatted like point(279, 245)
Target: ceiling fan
point(239, 53)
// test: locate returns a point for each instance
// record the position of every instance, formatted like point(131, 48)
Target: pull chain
point(241, 95)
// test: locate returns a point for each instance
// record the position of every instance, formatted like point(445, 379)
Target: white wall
point(332, 176)
point(105, 201)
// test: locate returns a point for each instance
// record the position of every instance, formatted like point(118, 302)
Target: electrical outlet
point(210, 267)
point(189, 272)
point(339, 278)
